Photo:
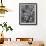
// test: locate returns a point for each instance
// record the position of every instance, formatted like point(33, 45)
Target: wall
point(38, 32)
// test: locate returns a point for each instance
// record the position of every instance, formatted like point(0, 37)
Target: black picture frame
point(28, 13)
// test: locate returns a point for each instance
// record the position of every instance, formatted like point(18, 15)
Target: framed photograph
point(28, 13)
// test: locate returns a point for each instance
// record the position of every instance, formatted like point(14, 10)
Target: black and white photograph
point(28, 13)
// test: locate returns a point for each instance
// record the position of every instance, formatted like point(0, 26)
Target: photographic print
point(28, 13)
